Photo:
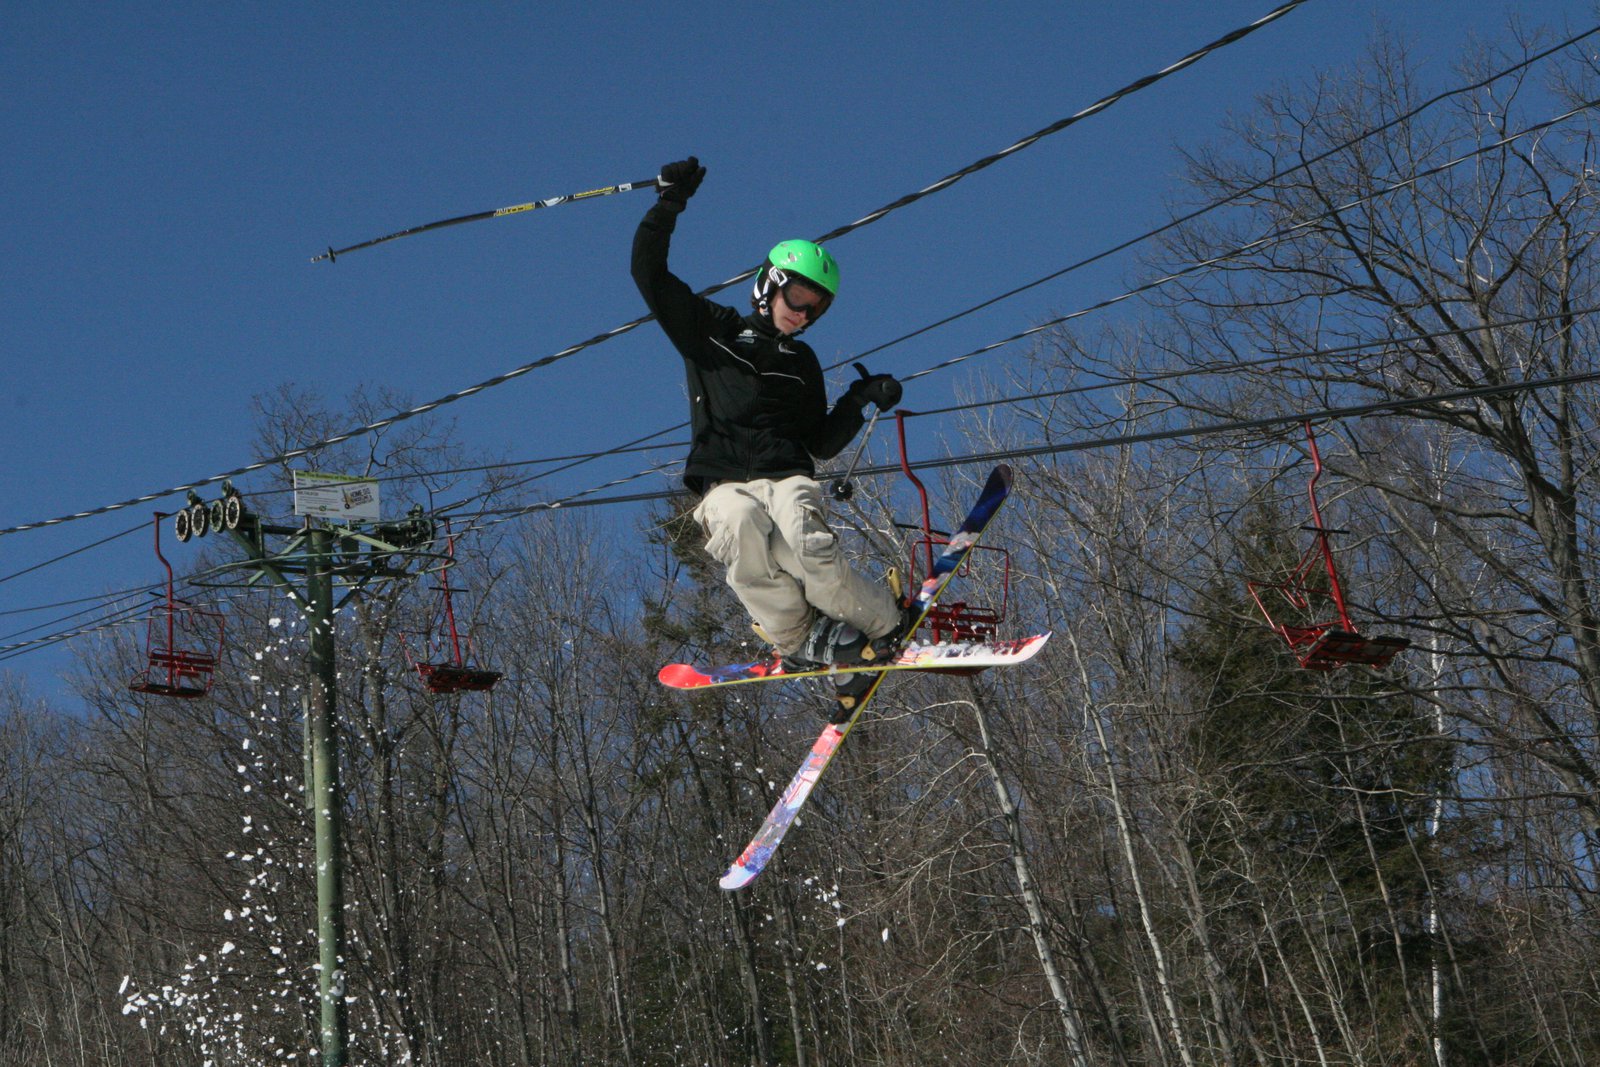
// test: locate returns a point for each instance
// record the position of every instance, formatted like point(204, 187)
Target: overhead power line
point(1254, 245)
point(571, 461)
point(141, 595)
point(575, 460)
point(68, 555)
point(500, 379)
point(576, 500)
point(1174, 433)
point(1118, 382)
point(1056, 127)
point(1221, 202)
point(123, 616)
point(580, 499)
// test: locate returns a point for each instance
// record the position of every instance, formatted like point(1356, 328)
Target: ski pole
point(841, 488)
point(334, 253)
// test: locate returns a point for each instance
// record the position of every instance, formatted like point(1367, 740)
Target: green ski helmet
point(811, 261)
point(796, 260)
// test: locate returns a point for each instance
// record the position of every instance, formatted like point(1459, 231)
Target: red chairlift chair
point(182, 646)
point(955, 620)
point(1334, 642)
point(455, 675)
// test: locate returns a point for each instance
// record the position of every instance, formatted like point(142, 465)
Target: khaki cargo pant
point(784, 563)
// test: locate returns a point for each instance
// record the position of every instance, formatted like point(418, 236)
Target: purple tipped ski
point(958, 656)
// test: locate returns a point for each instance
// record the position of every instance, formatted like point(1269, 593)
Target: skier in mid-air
point(759, 421)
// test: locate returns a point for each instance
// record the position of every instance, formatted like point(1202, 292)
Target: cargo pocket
point(817, 540)
point(726, 525)
point(720, 546)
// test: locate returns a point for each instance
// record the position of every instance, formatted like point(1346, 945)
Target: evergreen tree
point(1312, 791)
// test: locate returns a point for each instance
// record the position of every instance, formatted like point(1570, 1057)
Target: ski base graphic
point(918, 656)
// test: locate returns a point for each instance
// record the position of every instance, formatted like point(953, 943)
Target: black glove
point(880, 389)
point(679, 180)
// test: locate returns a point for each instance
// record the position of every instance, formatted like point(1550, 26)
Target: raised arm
point(682, 314)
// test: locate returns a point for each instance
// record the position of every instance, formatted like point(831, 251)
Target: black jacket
point(758, 407)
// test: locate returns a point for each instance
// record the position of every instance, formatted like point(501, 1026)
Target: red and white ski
point(956, 656)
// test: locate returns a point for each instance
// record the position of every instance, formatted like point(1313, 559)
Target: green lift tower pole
point(327, 799)
point(352, 558)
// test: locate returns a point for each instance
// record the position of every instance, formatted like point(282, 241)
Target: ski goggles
point(802, 297)
point(805, 300)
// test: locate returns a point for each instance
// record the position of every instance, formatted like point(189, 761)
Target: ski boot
point(890, 644)
point(849, 689)
point(830, 643)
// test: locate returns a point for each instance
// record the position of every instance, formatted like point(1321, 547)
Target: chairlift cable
point(517, 372)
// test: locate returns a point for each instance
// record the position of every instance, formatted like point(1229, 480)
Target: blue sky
point(171, 168)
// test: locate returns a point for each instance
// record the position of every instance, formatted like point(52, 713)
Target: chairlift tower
point(319, 567)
